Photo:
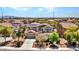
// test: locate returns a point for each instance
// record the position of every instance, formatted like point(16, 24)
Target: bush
point(54, 37)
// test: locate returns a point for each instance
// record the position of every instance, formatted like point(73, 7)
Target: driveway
point(28, 43)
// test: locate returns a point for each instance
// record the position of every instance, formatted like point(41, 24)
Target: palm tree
point(13, 35)
point(22, 30)
point(18, 34)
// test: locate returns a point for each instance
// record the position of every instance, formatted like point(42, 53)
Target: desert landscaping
point(39, 34)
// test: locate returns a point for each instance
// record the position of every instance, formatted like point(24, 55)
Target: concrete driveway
point(28, 43)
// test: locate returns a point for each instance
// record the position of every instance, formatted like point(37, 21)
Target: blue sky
point(40, 11)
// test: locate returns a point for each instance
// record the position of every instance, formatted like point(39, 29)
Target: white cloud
point(49, 9)
point(20, 8)
point(40, 9)
point(25, 9)
point(16, 8)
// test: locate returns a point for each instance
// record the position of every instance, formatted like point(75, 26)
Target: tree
point(76, 34)
point(22, 30)
point(9, 29)
point(6, 31)
point(18, 34)
point(1, 28)
point(13, 35)
point(72, 28)
point(54, 37)
point(77, 23)
point(69, 34)
point(35, 20)
point(25, 21)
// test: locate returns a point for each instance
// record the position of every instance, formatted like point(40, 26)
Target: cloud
point(40, 9)
point(20, 8)
point(49, 9)
point(14, 8)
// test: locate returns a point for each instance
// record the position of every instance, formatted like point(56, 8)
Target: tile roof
point(36, 25)
point(6, 24)
point(67, 24)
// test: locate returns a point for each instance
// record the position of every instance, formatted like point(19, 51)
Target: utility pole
point(2, 15)
point(53, 15)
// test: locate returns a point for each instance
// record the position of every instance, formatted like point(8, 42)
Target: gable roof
point(37, 25)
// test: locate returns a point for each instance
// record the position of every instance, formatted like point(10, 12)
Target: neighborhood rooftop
point(66, 25)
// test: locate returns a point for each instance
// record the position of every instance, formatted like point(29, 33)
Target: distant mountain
point(8, 16)
point(33, 17)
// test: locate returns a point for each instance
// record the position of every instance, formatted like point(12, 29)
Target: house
point(33, 26)
point(6, 24)
point(17, 23)
point(62, 26)
point(31, 34)
point(34, 29)
point(45, 28)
